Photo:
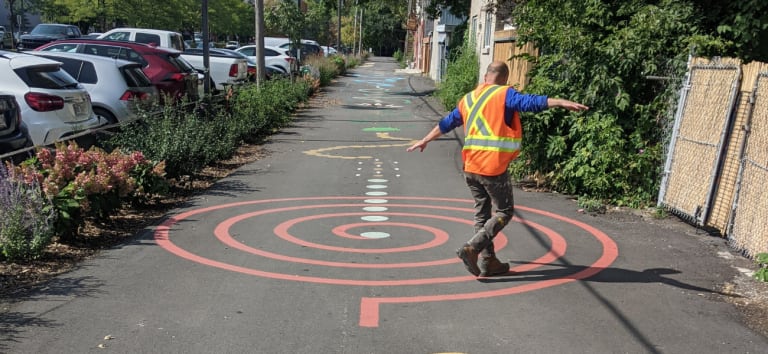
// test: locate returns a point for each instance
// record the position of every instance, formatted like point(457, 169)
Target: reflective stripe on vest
point(475, 109)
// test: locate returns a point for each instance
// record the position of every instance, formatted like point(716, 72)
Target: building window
point(488, 30)
point(473, 29)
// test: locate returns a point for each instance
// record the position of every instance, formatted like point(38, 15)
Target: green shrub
point(762, 262)
point(26, 218)
point(185, 140)
point(461, 76)
point(260, 110)
point(602, 54)
point(400, 57)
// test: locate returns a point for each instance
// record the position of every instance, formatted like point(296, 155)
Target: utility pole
point(354, 33)
point(258, 40)
point(360, 47)
point(206, 50)
point(338, 40)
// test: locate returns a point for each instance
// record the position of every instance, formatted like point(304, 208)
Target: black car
point(13, 134)
point(46, 33)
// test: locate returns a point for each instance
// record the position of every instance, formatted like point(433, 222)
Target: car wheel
point(105, 115)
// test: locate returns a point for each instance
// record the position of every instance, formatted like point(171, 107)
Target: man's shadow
point(606, 275)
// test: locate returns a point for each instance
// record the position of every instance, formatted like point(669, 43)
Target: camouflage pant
point(489, 191)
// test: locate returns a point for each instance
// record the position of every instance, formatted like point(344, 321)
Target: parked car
point(52, 103)
point(273, 56)
point(117, 87)
point(6, 39)
point(13, 134)
point(167, 70)
point(46, 33)
point(270, 71)
point(328, 50)
point(224, 70)
point(308, 47)
point(158, 38)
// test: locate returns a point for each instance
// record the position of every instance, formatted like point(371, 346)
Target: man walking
point(493, 134)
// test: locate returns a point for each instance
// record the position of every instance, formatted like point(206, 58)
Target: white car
point(328, 50)
point(52, 103)
point(273, 56)
point(158, 38)
point(116, 86)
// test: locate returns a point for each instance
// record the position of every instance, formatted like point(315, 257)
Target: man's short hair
point(498, 68)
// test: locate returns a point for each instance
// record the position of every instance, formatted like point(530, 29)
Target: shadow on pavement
point(12, 323)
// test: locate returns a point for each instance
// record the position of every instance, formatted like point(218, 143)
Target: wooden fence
point(504, 48)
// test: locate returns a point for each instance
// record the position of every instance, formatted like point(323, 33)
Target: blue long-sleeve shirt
point(515, 101)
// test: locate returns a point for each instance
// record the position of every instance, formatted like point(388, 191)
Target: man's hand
point(421, 144)
point(569, 105)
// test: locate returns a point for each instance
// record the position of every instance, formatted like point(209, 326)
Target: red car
point(165, 67)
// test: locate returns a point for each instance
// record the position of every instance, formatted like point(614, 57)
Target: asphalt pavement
point(339, 241)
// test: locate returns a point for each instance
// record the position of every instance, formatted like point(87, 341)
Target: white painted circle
point(376, 186)
point(376, 194)
point(376, 180)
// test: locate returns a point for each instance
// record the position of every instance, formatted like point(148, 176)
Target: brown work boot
point(469, 256)
point(490, 266)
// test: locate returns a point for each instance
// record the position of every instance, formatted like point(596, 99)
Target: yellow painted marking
point(325, 152)
point(385, 135)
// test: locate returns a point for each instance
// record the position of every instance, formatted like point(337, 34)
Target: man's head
point(497, 73)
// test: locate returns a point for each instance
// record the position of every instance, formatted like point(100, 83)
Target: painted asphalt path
point(341, 242)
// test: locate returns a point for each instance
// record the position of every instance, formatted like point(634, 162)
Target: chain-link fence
point(716, 166)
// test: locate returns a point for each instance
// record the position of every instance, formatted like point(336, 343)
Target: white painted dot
point(375, 209)
point(374, 218)
point(376, 194)
point(374, 235)
point(376, 180)
point(376, 201)
point(359, 168)
point(395, 162)
point(397, 168)
point(398, 176)
point(357, 175)
point(376, 186)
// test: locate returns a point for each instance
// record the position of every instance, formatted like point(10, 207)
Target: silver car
point(52, 103)
point(117, 87)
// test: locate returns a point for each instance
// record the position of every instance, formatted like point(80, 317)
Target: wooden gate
point(504, 48)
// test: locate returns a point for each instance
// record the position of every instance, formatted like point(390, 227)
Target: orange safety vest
point(489, 143)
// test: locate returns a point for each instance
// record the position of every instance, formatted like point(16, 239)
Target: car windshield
point(43, 29)
point(46, 77)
